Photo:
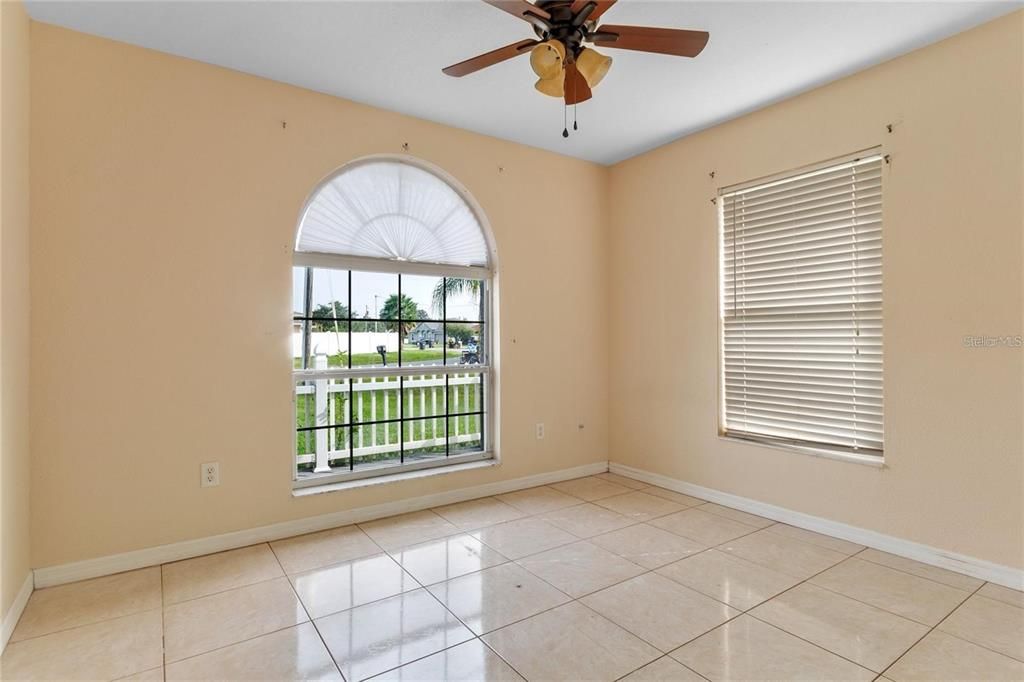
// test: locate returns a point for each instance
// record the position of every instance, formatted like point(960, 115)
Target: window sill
point(392, 478)
point(865, 460)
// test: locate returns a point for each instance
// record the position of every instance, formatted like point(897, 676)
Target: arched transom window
point(391, 325)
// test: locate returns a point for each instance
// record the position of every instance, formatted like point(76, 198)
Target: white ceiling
point(390, 54)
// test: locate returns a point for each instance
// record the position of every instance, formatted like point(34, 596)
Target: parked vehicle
point(470, 354)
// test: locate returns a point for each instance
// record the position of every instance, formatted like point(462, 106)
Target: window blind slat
point(802, 308)
point(839, 226)
point(800, 183)
point(748, 222)
point(795, 398)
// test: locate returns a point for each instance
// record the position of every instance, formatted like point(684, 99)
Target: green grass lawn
point(409, 354)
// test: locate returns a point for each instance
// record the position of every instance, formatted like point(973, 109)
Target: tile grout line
point(782, 629)
point(426, 589)
point(216, 592)
point(848, 557)
point(515, 561)
point(305, 609)
point(510, 560)
point(538, 515)
point(743, 612)
point(882, 608)
point(644, 572)
point(284, 575)
point(930, 631)
point(923, 577)
point(664, 656)
point(85, 625)
point(423, 587)
point(755, 529)
point(980, 646)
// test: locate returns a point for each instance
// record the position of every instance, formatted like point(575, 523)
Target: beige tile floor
point(600, 578)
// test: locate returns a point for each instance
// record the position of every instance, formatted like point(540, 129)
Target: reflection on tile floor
point(600, 578)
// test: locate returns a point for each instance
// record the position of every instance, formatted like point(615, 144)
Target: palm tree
point(450, 287)
point(409, 313)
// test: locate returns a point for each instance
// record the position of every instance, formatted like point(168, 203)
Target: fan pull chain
point(574, 125)
point(565, 120)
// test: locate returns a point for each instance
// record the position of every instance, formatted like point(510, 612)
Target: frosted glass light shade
point(554, 87)
point(393, 210)
point(547, 59)
point(593, 65)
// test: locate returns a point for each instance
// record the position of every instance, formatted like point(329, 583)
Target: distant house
point(431, 333)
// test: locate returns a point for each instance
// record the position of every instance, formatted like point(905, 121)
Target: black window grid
point(401, 420)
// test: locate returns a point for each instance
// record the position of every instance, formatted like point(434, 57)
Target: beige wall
point(165, 194)
point(165, 200)
point(954, 475)
point(14, 301)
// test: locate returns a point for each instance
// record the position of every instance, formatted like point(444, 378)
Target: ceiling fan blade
point(491, 58)
point(601, 6)
point(576, 88)
point(520, 8)
point(672, 41)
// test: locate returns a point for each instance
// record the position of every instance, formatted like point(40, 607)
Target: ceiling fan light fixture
point(593, 66)
point(552, 87)
point(547, 59)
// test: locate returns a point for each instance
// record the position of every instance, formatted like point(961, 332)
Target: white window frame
point(329, 261)
point(871, 457)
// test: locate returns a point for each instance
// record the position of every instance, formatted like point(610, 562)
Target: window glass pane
point(308, 442)
point(359, 320)
point(427, 294)
point(424, 345)
point(464, 299)
point(376, 446)
point(374, 304)
point(375, 399)
point(465, 393)
point(298, 292)
point(328, 344)
point(423, 396)
point(465, 343)
point(465, 434)
point(322, 402)
point(321, 405)
point(423, 338)
point(424, 439)
point(300, 358)
point(330, 294)
point(305, 450)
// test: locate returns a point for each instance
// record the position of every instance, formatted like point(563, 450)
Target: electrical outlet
point(209, 474)
point(540, 431)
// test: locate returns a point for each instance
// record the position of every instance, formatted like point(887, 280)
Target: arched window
point(391, 324)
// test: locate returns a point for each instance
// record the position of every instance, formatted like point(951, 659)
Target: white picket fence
point(424, 394)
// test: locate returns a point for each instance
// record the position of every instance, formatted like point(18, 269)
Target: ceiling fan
point(565, 67)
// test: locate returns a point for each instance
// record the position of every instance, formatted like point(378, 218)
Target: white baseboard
point(153, 556)
point(977, 568)
point(14, 613)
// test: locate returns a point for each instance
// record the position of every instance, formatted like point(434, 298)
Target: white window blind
point(395, 211)
point(802, 308)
